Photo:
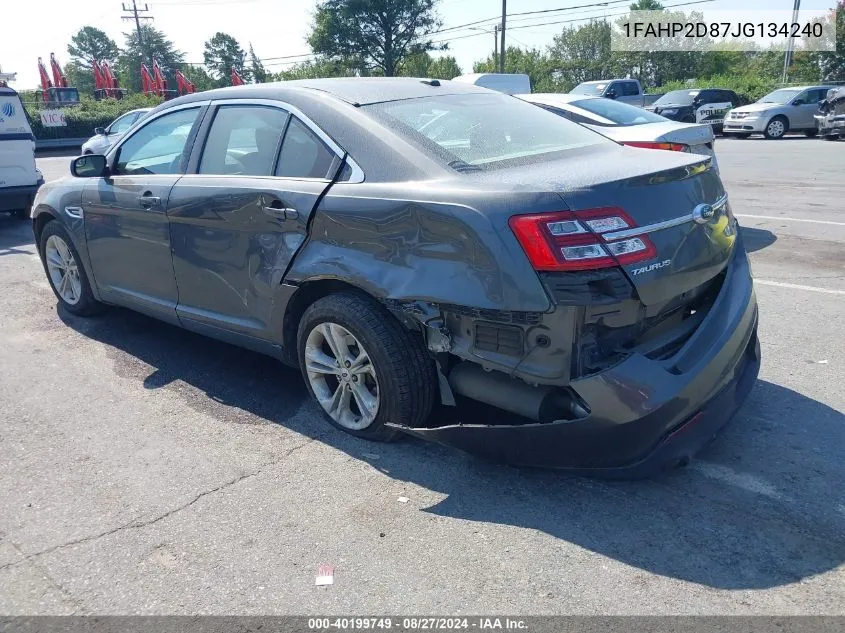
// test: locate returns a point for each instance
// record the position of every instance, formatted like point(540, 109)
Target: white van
point(19, 178)
point(511, 84)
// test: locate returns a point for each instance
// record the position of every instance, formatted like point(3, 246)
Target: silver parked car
point(629, 124)
point(104, 138)
point(779, 112)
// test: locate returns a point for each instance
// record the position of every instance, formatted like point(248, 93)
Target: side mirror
point(797, 102)
point(100, 130)
point(89, 166)
point(610, 94)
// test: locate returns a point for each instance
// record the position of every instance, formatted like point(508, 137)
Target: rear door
point(242, 213)
point(126, 222)
point(17, 144)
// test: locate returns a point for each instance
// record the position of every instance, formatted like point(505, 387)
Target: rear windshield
point(621, 114)
point(592, 89)
point(678, 97)
point(482, 131)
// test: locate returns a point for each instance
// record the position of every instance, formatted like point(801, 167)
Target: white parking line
point(781, 284)
point(782, 217)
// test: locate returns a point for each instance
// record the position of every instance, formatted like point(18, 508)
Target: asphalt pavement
point(148, 470)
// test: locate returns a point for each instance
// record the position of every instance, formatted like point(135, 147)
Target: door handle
point(148, 201)
point(283, 213)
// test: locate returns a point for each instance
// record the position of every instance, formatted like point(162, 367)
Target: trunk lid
point(692, 244)
point(661, 192)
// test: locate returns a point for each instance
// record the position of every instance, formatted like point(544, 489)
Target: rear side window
point(630, 89)
point(304, 155)
point(243, 140)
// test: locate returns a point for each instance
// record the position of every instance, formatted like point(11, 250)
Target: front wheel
point(776, 128)
point(65, 272)
point(363, 368)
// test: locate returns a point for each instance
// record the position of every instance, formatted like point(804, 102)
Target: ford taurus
point(416, 245)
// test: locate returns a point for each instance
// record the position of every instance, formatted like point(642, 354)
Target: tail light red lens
point(672, 147)
point(573, 240)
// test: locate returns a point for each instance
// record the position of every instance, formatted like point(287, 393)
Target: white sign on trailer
point(53, 118)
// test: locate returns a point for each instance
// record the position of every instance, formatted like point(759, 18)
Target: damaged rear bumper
point(644, 414)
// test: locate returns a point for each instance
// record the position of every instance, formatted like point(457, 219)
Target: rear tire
point(395, 384)
point(65, 272)
point(776, 128)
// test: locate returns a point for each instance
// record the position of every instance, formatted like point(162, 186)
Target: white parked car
point(104, 138)
point(629, 124)
point(19, 177)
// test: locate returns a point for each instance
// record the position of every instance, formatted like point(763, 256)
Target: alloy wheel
point(63, 270)
point(342, 376)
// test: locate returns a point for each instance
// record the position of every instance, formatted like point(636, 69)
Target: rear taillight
point(573, 240)
point(672, 147)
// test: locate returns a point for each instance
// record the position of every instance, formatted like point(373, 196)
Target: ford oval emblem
point(703, 213)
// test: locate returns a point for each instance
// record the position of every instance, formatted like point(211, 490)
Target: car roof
point(357, 91)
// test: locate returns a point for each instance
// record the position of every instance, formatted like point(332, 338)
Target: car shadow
point(756, 239)
point(761, 507)
point(15, 233)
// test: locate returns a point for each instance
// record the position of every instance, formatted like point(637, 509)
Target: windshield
point(589, 88)
point(473, 131)
point(621, 114)
point(677, 97)
point(779, 96)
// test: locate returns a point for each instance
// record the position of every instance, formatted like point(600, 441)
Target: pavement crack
point(135, 523)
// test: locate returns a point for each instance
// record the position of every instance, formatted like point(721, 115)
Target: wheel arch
point(314, 289)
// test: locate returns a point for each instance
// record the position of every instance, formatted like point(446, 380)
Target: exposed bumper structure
point(645, 414)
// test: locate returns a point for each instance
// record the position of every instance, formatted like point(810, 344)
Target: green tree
point(444, 68)
point(532, 62)
point(155, 46)
point(374, 34)
point(256, 68)
point(646, 5)
point(315, 69)
point(222, 53)
point(200, 78)
point(582, 53)
point(89, 44)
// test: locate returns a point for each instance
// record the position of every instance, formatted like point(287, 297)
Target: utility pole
point(133, 15)
point(790, 46)
point(504, 16)
point(496, 46)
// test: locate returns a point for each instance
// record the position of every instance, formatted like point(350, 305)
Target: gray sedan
point(438, 259)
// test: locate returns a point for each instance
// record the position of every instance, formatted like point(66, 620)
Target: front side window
point(482, 129)
point(304, 155)
point(243, 140)
point(159, 146)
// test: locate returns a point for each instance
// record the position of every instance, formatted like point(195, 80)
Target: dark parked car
point(413, 242)
point(707, 105)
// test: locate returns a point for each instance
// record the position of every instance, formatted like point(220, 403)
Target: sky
point(278, 28)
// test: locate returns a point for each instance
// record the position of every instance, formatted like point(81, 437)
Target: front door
point(238, 221)
point(126, 224)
